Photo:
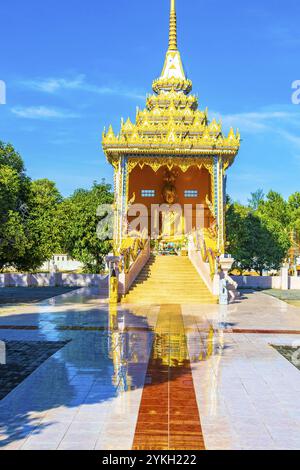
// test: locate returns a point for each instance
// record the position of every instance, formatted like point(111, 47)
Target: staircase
point(169, 280)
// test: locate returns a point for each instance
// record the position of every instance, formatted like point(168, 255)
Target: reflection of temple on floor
point(173, 347)
point(170, 347)
point(205, 342)
point(129, 342)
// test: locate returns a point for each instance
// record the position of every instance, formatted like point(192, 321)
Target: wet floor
point(148, 377)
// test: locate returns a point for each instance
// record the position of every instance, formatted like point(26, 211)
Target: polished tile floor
point(150, 377)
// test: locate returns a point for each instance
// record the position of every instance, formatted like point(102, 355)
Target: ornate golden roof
point(171, 123)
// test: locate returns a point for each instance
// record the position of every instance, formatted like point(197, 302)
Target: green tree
point(275, 215)
point(256, 199)
point(14, 195)
point(275, 208)
point(14, 241)
point(14, 184)
point(294, 212)
point(41, 224)
point(28, 232)
point(254, 242)
point(11, 158)
point(78, 223)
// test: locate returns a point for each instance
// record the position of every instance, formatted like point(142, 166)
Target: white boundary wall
point(97, 280)
point(294, 282)
point(83, 280)
point(53, 279)
point(266, 282)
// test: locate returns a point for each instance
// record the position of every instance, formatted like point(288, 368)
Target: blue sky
point(72, 68)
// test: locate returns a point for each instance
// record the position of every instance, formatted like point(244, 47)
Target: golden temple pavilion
point(172, 154)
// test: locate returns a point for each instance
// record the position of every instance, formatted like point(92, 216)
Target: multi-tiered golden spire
point(173, 28)
point(173, 76)
point(171, 123)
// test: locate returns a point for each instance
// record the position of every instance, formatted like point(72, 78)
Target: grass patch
point(292, 297)
point(295, 303)
point(292, 354)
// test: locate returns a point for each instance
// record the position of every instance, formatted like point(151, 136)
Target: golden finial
point(173, 28)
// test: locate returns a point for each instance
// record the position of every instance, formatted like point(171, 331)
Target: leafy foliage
point(14, 194)
point(259, 234)
point(294, 212)
point(78, 222)
point(43, 232)
point(256, 198)
point(37, 222)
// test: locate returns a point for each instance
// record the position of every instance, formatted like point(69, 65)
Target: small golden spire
point(173, 28)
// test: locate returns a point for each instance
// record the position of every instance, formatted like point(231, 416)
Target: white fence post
point(284, 273)
point(2, 353)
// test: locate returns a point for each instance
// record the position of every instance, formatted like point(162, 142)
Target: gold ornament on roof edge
point(171, 124)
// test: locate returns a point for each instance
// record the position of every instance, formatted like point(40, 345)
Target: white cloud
point(294, 139)
point(259, 121)
point(278, 121)
point(283, 35)
point(117, 91)
point(42, 112)
point(247, 176)
point(54, 85)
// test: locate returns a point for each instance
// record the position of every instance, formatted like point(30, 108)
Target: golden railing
point(206, 244)
point(129, 251)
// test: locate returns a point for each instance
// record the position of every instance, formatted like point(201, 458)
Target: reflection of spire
point(127, 347)
point(173, 28)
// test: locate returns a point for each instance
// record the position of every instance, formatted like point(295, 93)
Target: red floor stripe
point(168, 417)
point(261, 331)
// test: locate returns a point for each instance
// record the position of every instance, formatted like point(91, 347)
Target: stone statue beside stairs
point(228, 287)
